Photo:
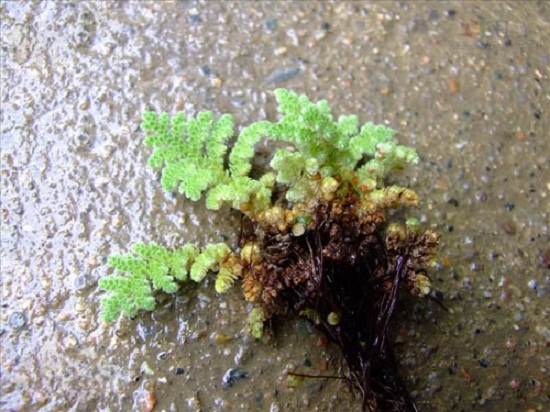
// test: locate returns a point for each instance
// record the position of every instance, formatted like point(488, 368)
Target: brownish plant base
point(343, 274)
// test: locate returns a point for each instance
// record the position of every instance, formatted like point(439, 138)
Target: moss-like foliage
point(192, 152)
point(323, 156)
point(256, 320)
point(315, 240)
point(331, 148)
point(151, 268)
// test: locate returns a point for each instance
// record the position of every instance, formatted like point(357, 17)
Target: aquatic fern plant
point(150, 268)
point(191, 152)
point(315, 241)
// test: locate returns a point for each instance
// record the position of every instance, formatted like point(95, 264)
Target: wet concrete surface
point(466, 84)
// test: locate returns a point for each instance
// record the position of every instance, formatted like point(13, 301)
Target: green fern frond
point(366, 141)
point(129, 295)
point(256, 320)
point(336, 147)
point(226, 277)
point(348, 125)
point(237, 191)
point(209, 259)
point(219, 195)
point(191, 151)
point(150, 268)
point(290, 166)
point(395, 156)
point(243, 150)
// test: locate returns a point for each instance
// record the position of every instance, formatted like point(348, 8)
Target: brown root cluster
point(344, 274)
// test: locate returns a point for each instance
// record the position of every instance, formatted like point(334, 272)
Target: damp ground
point(466, 84)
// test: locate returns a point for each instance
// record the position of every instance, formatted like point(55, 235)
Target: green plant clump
point(315, 239)
point(150, 268)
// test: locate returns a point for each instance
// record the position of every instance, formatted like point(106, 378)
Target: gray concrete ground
point(465, 83)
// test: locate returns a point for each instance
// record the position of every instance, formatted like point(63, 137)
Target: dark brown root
point(344, 276)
